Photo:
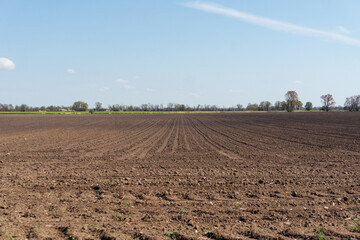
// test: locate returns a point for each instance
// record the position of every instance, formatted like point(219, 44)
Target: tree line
point(290, 104)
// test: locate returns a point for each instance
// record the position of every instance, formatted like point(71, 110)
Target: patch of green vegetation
point(11, 236)
point(272, 228)
point(356, 226)
point(319, 233)
point(237, 206)
point(182, 211)
point(117, 217)
point(175, 233)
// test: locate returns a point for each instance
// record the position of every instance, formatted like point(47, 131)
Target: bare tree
point(277, 105)
point(292, 100)
point(170, 106)
point(24, 108)
point(98, 106)
point(328, 101)
point(239, 107)
point(4, 107)
point(353, 103)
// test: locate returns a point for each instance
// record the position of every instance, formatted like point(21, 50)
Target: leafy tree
point(264, 106)
point(182, 107)
point(308, 106)
point(267, 106)
point(292, 100)
point(115, 107)
point(144, 107)
point(252, 107)
point(300, 105)
point(80, 106)
point(328, 101)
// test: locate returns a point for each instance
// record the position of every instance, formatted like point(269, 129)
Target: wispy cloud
point(150, 90)
point(298, 82)
point(271, 23)
point(126, 86)
point(70, 71)
point(103, 89)
point(121, 80)
point(343, 30)
point(6, 64)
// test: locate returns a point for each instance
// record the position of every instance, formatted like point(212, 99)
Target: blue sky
point(208, 52)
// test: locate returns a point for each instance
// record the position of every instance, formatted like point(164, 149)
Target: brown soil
point(180, 176)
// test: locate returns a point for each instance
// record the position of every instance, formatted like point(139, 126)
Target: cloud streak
point(271, 23)
point(121, 81)
point(70, 71)
point(126, 86)
point(343, 30)
point(6, 64)
point(103, 89)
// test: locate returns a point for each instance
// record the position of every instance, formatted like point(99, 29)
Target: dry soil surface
point(180, 176)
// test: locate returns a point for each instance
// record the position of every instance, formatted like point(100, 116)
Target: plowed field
point(180, 176)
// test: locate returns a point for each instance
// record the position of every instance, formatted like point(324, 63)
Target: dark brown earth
point(180, 176)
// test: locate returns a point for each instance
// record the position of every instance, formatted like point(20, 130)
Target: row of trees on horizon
point(290, 104)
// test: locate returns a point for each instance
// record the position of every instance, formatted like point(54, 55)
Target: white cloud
point(271, 23)
point(6, 64)
point(298, 82)
point(343, 30)
point(71, 71)
point(121, 81)
point(137, 77)
point(150, 90)
point(124, 83)
point(126, 86)
point(103, 89)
